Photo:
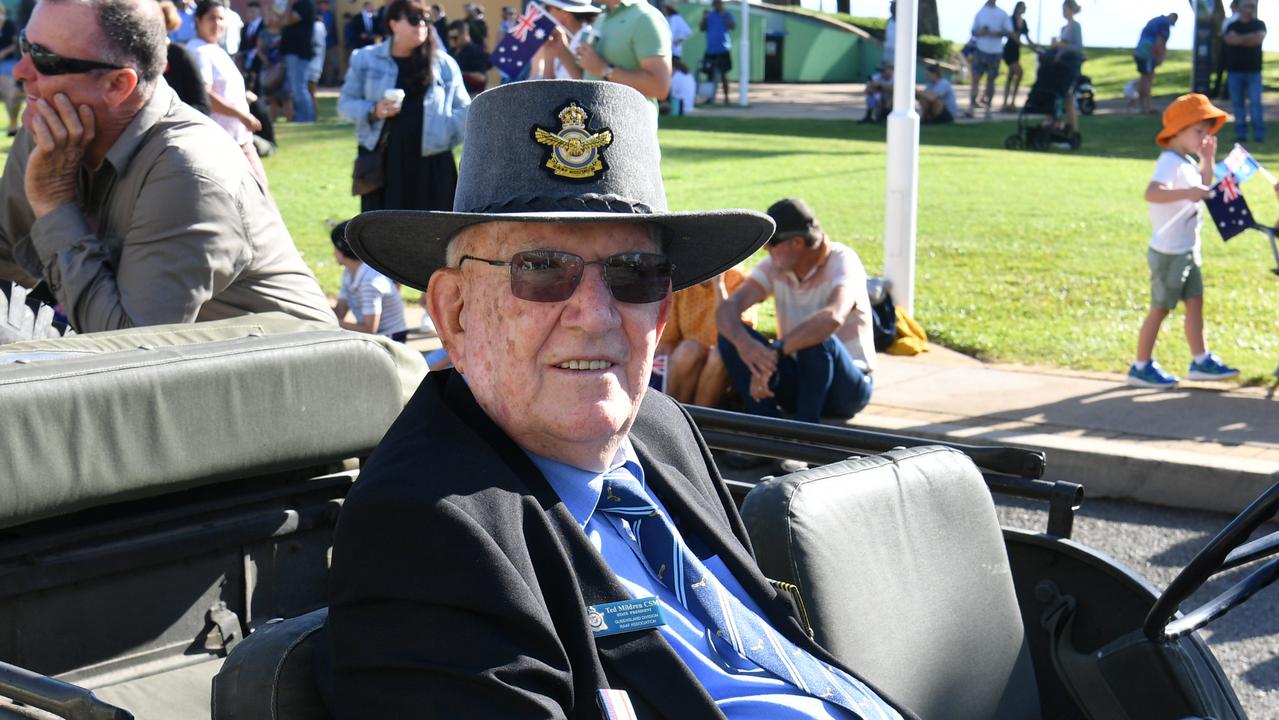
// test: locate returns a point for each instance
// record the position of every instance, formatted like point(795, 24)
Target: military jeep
point(168, 495)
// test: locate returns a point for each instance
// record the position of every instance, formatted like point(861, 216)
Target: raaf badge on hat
point(575, 152)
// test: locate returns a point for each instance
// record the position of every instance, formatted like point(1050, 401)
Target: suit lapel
point(682, 500)
point(644, 663)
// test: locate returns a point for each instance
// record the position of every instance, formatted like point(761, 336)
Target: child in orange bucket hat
point(1179, 182)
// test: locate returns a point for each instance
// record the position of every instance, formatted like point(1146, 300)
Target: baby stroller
point(1041, 122)
point(1084, 96)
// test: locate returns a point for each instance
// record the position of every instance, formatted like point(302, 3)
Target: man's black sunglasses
point(48, 62)
point(553, 275)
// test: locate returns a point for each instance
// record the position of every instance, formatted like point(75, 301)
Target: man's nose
point(592, 305)
point(24, 70)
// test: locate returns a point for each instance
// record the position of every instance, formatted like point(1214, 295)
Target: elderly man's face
point(70, 30)
point(563, 379)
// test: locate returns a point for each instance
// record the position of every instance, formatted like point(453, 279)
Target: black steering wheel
point(1224, 552)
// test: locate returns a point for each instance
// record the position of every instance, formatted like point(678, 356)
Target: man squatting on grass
point(523, 498)
point(821, 364)
point(1190, 126)
point(131, 207)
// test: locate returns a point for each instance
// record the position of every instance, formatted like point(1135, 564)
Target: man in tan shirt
point(131, 207)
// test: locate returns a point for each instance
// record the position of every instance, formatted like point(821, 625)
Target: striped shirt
point(369, 292)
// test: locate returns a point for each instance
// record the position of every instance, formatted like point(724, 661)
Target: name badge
point(625, 616)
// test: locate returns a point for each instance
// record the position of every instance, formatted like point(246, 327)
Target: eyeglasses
point(553, 275)
point(417, 19)
point(48, 62)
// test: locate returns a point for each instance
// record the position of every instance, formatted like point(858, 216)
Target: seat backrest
point(902, 567)
point(269, 675)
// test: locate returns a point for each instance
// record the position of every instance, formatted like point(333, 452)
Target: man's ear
point(120, 86)
point(664, 313)
point(444, 300)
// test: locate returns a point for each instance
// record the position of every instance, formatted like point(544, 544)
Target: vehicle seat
point(901, 565)
point(269, 675)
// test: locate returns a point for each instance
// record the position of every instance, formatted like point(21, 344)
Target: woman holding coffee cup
point(409, 105)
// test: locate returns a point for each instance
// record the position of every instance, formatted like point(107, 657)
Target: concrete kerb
point(1110, 468)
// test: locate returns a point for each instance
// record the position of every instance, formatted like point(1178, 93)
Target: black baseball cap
point(792, 216)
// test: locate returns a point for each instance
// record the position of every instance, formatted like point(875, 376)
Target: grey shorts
point(1174, 278)
point(986, 64)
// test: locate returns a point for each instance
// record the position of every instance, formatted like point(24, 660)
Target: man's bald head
point(132, 34)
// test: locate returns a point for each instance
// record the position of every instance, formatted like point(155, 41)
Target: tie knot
point(623, 495)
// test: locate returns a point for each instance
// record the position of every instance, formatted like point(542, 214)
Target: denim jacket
point(373, 72)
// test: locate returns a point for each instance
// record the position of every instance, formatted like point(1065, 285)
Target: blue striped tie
point(676, 567)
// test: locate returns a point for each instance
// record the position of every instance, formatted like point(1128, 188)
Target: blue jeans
point(296, 69)
point(816, 382)
point(1245, 97)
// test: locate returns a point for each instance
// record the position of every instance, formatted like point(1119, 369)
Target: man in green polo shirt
point(632, 47)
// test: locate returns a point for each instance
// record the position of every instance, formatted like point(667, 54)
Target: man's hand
point(760, 358)
point(590, 60)
point(759, 387)
point(62, 133)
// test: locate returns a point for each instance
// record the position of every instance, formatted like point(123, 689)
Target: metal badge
point(576, 153)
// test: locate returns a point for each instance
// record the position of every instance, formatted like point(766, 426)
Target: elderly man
point(536, 536)
point(130, 206)
point(820, 366)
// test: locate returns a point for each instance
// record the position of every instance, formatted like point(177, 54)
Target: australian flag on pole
point(1228, 209)
point(528, 33)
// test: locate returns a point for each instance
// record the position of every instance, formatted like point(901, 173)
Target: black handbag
point(369, 174)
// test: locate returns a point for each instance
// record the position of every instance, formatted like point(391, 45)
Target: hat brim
point(573, 8)
point(1219, 119)
point(408, 246)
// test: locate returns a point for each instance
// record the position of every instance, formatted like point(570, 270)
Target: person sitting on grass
point(695, 371)
point(937, 103)
point(879, 95)
point(821, 363)
point(371, 297)
point(1190, 126)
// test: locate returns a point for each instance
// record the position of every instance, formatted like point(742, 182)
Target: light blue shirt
point(753, 694)
point(444, 105)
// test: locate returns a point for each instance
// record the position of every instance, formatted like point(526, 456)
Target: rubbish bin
point(773, 57)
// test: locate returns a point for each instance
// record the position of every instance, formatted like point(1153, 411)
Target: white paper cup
point(395, 95)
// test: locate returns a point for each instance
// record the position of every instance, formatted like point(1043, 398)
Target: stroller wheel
point(1087, 104)
point(1014, 142)
point(1075, 140)
point(1040, 140)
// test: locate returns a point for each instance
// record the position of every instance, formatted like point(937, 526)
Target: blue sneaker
point(1212, 368)
point(1151, 377)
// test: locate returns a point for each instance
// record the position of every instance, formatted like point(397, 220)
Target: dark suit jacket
point(460, 581)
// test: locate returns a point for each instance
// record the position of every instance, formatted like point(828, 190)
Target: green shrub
point(932, 47)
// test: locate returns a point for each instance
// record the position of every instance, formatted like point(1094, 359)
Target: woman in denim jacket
point(423, 128)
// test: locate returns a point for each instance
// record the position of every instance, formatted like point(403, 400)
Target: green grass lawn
point(1112, 68)
point(1036, 258)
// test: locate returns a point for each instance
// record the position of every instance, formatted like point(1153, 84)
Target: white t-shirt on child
point(684, 89)
point(1175, 171)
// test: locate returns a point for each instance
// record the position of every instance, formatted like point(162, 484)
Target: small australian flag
point(528, 33)
point(1229, 211)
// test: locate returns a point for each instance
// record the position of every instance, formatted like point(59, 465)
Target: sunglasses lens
point(638, 277)
point(545, 275)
